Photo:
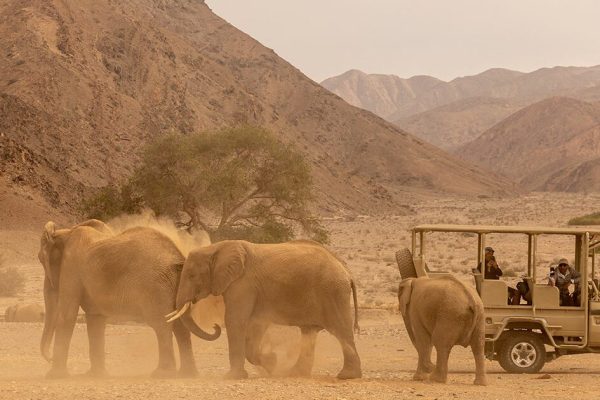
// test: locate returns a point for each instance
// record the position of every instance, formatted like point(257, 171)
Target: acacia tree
point(234, 183)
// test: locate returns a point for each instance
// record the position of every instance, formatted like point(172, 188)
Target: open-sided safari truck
point(523, 337)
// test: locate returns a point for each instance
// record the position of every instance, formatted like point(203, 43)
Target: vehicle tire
point(522, 352)
point(406, 265)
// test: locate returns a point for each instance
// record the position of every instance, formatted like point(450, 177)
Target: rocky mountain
point(372, 91)
point(550, 145)
point(455, 124)
point(381, 94)
point(85, 84)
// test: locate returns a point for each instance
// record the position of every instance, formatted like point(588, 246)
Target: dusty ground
point(368, 244)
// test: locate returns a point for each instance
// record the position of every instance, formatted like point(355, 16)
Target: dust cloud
point(184, 240)
point(206, 312)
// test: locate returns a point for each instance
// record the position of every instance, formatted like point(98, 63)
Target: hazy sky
point(442, 38)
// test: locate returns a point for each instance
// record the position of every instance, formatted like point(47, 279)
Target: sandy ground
point(368, 244)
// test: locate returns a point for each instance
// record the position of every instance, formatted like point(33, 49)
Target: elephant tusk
point(180, 312)
point(169, 315)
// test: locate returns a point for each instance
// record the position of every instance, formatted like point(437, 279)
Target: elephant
point(134, 274)
point(24, 313)
point(297, 283)
point(442, 312)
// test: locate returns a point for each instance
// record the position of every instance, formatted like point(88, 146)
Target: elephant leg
point(256, 332)
point(340, 326)
point(96, 325)
point(166, 355)
point(186, 355)
point(440, 373)
point(306, 359)
point(238, 310)
point(478, 348)
point(424, 347)
point(68, 307)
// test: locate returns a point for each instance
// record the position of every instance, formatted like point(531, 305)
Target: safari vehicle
point(522, 338)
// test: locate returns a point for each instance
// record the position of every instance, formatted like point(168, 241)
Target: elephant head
point(50, 256)
point(208, 270)
point(404, 292)
point(52, 244)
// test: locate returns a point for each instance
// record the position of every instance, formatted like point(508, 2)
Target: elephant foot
point(480, 380)
point(349, 374)
point(162, 373)
point(435, 377)
point(269, 362)
point(420, 376)
point(97, 373)
point(187, 373)
point(57, 373)
point(236, 374)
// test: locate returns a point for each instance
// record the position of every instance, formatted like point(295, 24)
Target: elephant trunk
point(51, 303)
point(183, 304)
point(191, 325)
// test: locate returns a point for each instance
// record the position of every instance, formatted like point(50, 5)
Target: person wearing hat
point(492, 270)
point(561, 278)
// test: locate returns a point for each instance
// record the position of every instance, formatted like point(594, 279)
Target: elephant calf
point(442, 312)
point(24, 313)
point(297, 283)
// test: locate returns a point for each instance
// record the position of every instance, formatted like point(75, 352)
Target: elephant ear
point(404, 292)
point(227, 265)
point(49, 255)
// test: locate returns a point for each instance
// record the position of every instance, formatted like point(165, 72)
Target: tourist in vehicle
point(493, 271)
point(561, 278)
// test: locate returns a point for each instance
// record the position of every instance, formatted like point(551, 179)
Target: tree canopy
point(237, 183)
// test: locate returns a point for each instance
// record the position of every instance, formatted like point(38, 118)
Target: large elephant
point(24, 313)
point(297, 283)
point(134, 274)
point(442, 312)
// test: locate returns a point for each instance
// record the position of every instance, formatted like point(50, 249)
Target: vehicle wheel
point(522, 352)
point(406, 265)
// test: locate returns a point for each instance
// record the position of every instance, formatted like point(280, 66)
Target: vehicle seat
point(494, 293)
point(546, 296)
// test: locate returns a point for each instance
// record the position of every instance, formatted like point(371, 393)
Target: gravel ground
point(387, 356)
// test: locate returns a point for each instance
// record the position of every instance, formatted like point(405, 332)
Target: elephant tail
point(356, 326)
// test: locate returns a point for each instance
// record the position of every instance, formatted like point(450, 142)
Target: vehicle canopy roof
point(534, 230)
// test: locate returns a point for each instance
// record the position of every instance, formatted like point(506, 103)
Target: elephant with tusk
point(442, 312)
point(134, 275)
point(298, 283)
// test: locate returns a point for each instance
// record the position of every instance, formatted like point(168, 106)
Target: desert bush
point(12, 281)
point(589, 219)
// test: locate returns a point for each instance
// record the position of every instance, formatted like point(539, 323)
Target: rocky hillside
point(551, 145)
point(455, 124)
point(84, 84)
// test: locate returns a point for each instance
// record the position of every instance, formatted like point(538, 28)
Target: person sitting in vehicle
point(561, 278)
point(492, 270)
